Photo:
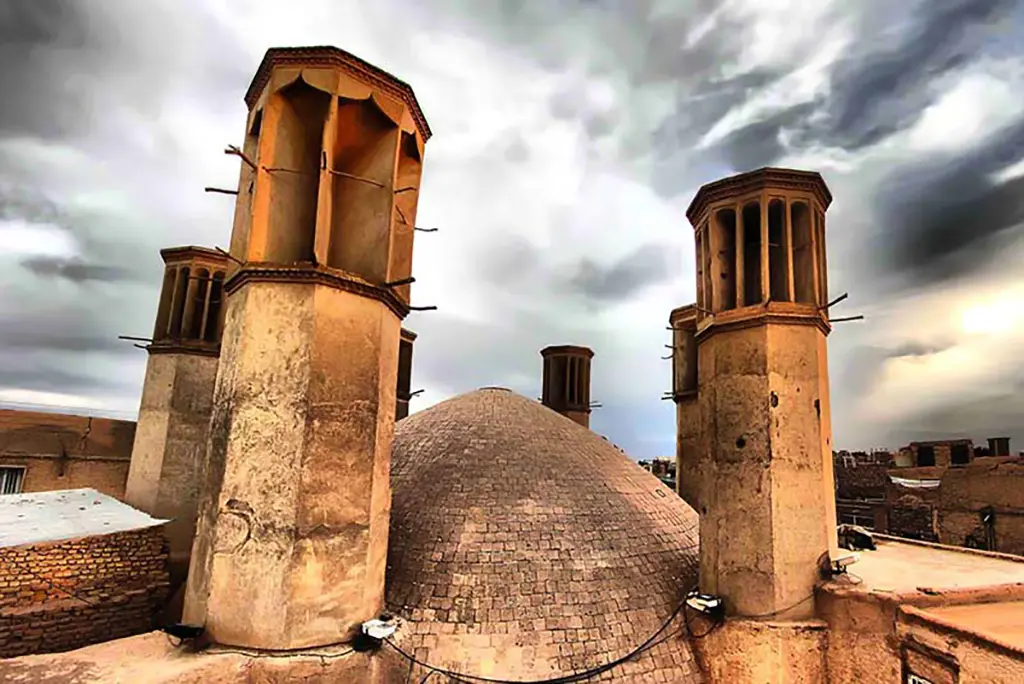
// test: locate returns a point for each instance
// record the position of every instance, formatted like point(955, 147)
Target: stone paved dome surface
point(525, 546)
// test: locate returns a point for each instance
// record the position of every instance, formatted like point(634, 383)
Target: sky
point(569, 138)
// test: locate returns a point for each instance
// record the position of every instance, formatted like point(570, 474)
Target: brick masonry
point(525, 546)
point(64, 595)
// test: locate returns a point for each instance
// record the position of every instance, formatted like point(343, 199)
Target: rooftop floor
point(898, 566)
point(999, 621)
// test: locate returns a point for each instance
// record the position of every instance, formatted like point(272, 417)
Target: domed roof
point(523, 545)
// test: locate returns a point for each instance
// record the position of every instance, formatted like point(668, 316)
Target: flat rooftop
point(41, 517)
point(1002, 621)
point(898, 566)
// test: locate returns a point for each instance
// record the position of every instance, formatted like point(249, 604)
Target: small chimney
point(998, 446)
point(404, 391)
point(566, 385)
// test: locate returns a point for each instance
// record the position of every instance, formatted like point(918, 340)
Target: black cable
point(651, 642)
point(805, 599)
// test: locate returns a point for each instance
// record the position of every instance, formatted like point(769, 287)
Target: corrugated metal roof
point(67, 514)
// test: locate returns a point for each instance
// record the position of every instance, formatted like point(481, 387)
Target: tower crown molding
point(768, 178)
point(328, 57)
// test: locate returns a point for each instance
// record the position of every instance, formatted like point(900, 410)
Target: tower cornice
point(754, 181)
point(328, 56)
point(318, 275)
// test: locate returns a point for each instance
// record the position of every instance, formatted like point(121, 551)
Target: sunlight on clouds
point(994, 316)
point(23, 239)
point(974, 106)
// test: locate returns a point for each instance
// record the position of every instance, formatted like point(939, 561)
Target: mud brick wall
point(863, 481)
point(64, 595)
point(913, 518)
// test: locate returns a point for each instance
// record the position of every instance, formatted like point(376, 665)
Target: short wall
point(64, 595)
point(749, 651)
point(873, 636)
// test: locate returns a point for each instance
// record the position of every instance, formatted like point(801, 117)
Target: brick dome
point(524, 545)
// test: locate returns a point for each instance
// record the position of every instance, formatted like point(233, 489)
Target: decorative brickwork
point(65, 595)
point(524, 546)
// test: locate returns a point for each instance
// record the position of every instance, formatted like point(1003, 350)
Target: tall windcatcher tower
point(761, 462)
point(292, 533)
point(566, 384)
point(177, 395)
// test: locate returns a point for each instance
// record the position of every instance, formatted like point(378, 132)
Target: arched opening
point(214, 322)
point(752, 254)
point(407, 191)
point(361, 212)
point(709, 291)
point(197, 305)
point(724, 260)
point(163, 311)
point(778, 251)
point(803, 253)
point(179, 302)
point(246, 189)
point(294, 173)
point(699, 258)
point(684, 360)
point(822, 254)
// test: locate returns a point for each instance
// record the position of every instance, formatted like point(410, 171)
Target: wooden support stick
point(220, 190)
point(847, 318)
point(836, 301)
point(417, 392)
point(361, 179)
point(231, 149)
point(134, 339)
point(403, 281)
point(228, 256)
point(422, 308)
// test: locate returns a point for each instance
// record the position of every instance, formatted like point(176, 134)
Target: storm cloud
point(569, 138)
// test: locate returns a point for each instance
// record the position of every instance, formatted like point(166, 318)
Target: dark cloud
point(911, 349)
point(625, 278)
point(75, 270)
point(881, 90)
point(946, 215)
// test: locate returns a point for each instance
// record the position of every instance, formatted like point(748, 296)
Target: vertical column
point(766, 283)
point(705, 270)
point(812, 218)
point(325, 193)
point(740, 261)
point(565, 380)
point(206, 307)
point(189, 312)
point(786, 207)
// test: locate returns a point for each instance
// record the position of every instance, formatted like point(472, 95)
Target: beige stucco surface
point(291, 542)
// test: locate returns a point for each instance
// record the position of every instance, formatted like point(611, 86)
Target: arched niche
point(365, 145)
point(246, 186)
point(723, 260)
point(179, 302)
point(196, 306)
point(407, 194)
point(163, 312)
point(752, 253)
point(699, 258)
point(778, 251)
point(213, 321)
point(803, 252)
point(294, 172)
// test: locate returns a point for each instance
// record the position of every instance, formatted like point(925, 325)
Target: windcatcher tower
point(404, 391)
point(292, 534)
point(171, 434)
point(566, 384)
point(764, 464)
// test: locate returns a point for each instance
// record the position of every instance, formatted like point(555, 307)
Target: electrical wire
point(650, 643)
